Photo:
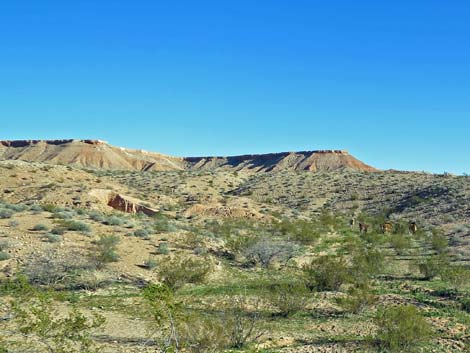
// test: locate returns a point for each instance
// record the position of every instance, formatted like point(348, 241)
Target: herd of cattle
point(386, 227)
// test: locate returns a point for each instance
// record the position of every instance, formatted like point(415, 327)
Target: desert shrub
point(40, 227)
point(265, 251)
point(456, 276)
point(366, 262)
point(76, 226)
point(64, 215)
point(202, 334)
point(179, 271)
point(162, 224)
point(16, 207)
point(5, 213)
point(13, 224)
point(465, 303)
point(163, 249)
point(300, 231)
point(142, 233)
point(150, 263)
point(41, 326)
point(402, 328)
point(432, 266)
point(4, 244)
point(326, 273)
point(52, 238)
point(53, 268)
point(96, 216)
point(114, 221)
point(400, 242)
point(358, 298)
point(288, 297)
point(106, 247)
point(241, 322)
point(50, 208)
point(4, 255)
point(35, 208)
point(58, 231)
point(438, 242)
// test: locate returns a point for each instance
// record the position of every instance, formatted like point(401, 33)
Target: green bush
point(4, 255)
point(163, 249)
point(402, 328)
point(114, 221)
point(400, 242)
point(106, 248)
point(432, 266)
point(438, 242)
point(179, 271)
point(142, 233)
point(75, 226)
point(40, 227)
point(456, 276)
point(465, 302)
point(358, 298)
point(150, 263)
point(288, 297)
point(52, 238)
point(58, 231)
point(326, 273)
point(366, 262)
point(4, 213)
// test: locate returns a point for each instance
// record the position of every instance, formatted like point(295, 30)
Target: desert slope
point(98, 154)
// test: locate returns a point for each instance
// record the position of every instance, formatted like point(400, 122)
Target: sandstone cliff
point(101, 155)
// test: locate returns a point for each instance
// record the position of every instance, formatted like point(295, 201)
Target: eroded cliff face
point(29, 143)
point(98, 154)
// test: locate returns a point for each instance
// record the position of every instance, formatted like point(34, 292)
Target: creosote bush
point(40, 227)
point(358, 298)
point(326, 273)
point(76, 226)
point(106, 248)
point(402, 328)
point(288, 297)
point(181, 270)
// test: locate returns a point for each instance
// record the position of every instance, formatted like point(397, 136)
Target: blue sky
point(387, 80)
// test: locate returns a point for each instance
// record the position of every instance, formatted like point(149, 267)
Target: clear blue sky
point(387, 80)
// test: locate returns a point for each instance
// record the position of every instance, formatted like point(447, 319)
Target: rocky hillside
point(98, 154)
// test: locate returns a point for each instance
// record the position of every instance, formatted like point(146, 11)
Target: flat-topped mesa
point(332, 151)
point(25, 143)
point(98, 154)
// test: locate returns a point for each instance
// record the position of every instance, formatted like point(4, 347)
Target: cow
point(386, 227)
point(363, 227)
point(413, 228)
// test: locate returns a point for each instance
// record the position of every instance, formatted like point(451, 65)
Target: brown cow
point(386, 227)
point(413, 227)
point(363, 227)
